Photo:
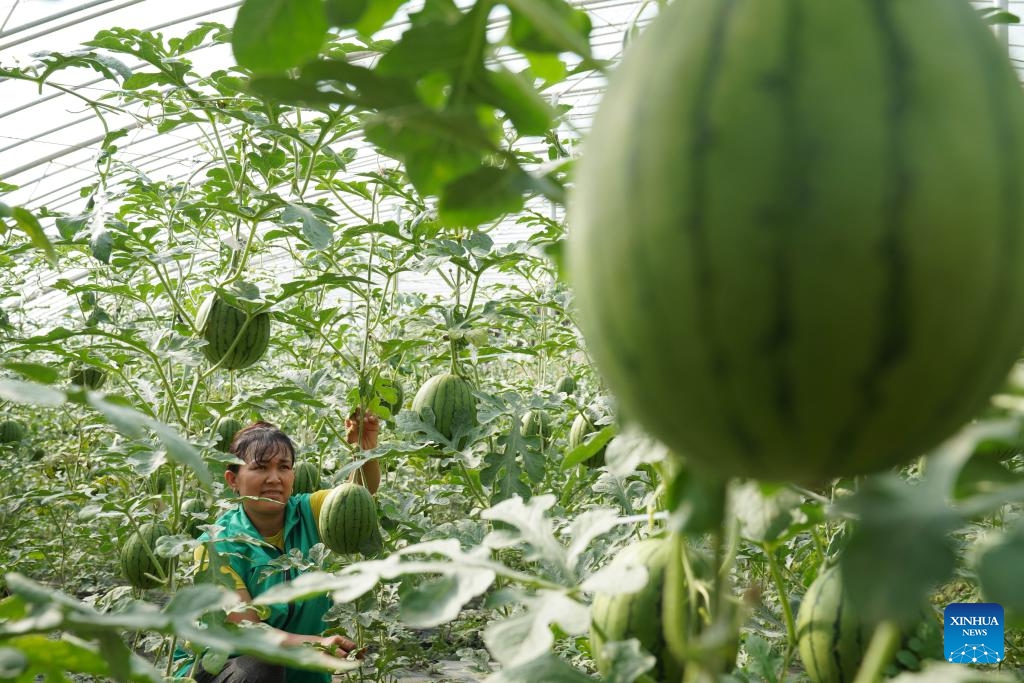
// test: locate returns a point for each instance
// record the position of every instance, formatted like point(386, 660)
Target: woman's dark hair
point(258, 443)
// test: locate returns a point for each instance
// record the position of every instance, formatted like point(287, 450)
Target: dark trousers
point(244, 669)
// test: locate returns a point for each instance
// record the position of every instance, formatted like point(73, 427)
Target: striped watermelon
point(348, 518)
point(825, 201)
point(565, 385)
point(581, 428)
point(193, 513)
point(307, 477)
point(621, 616)
point(451, 398)
point(537, 423)
point(232, 339)
point(831, 636)
point(12, 431)
point(158, 481)
point(88, 377)
point(225, 432)
point(137, 563)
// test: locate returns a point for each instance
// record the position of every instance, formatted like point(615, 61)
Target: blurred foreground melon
point(797, 228)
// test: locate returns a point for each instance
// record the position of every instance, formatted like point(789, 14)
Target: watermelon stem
point(883, 645)
point(787, 608)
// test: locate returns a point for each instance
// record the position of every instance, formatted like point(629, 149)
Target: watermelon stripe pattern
point(620, 616)
point(225, 432)
point(581, 428)
point(307, 478)
point(232, 339)
point(348, 518)
point(832, 639)
point(451, 399)
point(137, 564)
point(12, 432)
point(821, 272)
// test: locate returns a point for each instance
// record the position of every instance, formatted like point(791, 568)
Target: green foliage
point(488, 536)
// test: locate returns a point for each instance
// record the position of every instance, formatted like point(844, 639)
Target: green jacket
point(252, 562)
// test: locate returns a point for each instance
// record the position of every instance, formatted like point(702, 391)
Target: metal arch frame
point(84, 144)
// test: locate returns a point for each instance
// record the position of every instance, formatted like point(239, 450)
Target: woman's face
point(270, 480)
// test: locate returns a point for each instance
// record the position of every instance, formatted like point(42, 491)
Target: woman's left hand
point(370, 430)
point(338, 646)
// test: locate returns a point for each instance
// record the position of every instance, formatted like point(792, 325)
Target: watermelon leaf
point(998, 562)
point(483, 195)
point(529, 636)
point(30, 225)
point(275, 35)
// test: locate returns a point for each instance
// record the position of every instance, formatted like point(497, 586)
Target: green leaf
point(531, 527)
point(368, 88)
point(435, 46)
point(138, 80)
point(902, 534)
point(503, 471)
point(32, 394)
point(376, 15)
point(193, 601)
point(627, 660)
point(585, 528)
point(102, 243)
point(276, 35)
point(548, 668)
point(30, 226)
point(769, 514)
point(528, 636)
point(44, 374)
point(632, 448)
point(131, 422)
point(345, 12)
point(526, 109)
point(548, 26)
point(547, 67)
point(316, 232)
point(590, 447)
point(483, 195)
point(440, 601)
point(437, 147)
point(998, 562)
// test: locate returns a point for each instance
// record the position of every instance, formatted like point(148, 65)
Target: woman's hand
point(338, 646)
point(370, 429)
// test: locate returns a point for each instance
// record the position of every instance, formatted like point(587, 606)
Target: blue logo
point(973, 633)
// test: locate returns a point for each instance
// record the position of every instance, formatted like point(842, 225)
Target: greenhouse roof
point(52, 136)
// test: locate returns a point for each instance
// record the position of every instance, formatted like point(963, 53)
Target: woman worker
point(279, 522)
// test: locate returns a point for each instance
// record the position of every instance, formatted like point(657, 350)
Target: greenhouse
point(532, 341)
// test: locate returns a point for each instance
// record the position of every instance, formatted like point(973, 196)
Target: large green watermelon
point(232, 339)
point(796, 234)
point(581, 428)
point(194, 512)
point(225, 431)
point(538, 423)
point(88, 377)
point(307, 477)
point(565, 385)
point(139, 565)
point(832, 636)
point(348, 518)
point(12, 431)
point(451, 399)
point(621, 616)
